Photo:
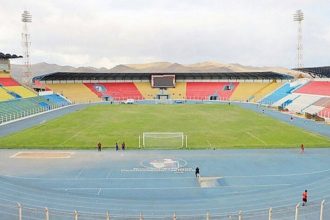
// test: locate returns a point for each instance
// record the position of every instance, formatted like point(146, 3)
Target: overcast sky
point(110, 32)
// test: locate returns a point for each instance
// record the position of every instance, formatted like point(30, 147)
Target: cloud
point(106, 33)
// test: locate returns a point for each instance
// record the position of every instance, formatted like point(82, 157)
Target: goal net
point(163, 140)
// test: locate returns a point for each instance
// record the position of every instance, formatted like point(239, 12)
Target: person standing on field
point(99, 146)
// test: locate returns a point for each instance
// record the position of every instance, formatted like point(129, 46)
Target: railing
point(6, 117)
point(312, 211)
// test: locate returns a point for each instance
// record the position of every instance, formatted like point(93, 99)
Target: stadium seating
point(321, 107)
point(277, 94)
point(7, 81)
point(4, 95)
point(316, 88)
point(252, 91)
point(325, 113)
point(203, 90)
point(116, 91)
point(17, 108)
point(4, 74)
point(11, 89)
point(21, 91)
point(288, 99)
point(146, 90)
point(56, 99)
point(324, 102)
point(278, 97)
point(301, 103)
point(179, 92)
point(77, 93)
point(267, 89)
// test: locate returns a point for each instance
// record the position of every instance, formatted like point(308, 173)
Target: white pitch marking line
point(252, 135)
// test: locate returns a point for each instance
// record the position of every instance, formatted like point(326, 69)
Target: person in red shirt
point(304, 198)
point(302, 148)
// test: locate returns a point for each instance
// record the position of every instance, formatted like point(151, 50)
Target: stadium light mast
point(26, 43)
point(299, 17)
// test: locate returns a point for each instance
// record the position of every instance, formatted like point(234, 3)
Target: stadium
point(126, 145)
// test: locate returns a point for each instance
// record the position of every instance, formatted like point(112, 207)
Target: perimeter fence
point(312, 211)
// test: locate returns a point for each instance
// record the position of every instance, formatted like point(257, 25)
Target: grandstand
point(121, 86)
point(321, 88)
point(17, 100)
point(14, 109)
point(76, 92)
point(304, 97)
point(282, 92)
point(316, 72)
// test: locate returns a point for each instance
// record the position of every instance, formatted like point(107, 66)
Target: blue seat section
point(16, 108)
point(56, 100)
point(15, 95)
point(278, 94)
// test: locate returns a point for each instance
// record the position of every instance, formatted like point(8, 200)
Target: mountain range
point(156, 67)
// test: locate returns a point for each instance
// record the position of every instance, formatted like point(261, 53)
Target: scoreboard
point(163, 81)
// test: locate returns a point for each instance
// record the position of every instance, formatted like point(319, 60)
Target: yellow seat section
point(77, 93)
point(4, 96)
point(22, 91)
point(179, 92)
point(245, 91)
point(146, 90)
point(265, 91)
point(4, 74)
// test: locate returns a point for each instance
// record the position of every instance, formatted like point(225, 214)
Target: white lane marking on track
point(126, 200)
point(98, 193)
point(255, 137)
point(14, 155)
point(169, 188)
point(79, 174)
point(108, 175)
point(167, 178)
point(281, 175)
point(101, 178)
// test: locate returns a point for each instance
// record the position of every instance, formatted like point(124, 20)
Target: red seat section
point(118, 91)
point(8, 82)
point(325, 113)
point(203, 90)
point(316, 88)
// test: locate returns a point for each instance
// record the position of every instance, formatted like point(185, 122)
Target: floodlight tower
point(299, 17)
point(26, 43)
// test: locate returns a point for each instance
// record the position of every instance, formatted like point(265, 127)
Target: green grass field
point(207, 126)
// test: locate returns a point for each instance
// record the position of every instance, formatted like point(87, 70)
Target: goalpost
point(163, 140)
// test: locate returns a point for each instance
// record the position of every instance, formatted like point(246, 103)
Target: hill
point(156, 67)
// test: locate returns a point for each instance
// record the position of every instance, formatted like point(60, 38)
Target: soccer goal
point(163, 140)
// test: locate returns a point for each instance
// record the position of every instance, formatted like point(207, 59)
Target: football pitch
point(207, 126)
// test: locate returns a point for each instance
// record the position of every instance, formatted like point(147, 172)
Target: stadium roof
point(322, 72)
point(9, 56)
point(147, 76)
